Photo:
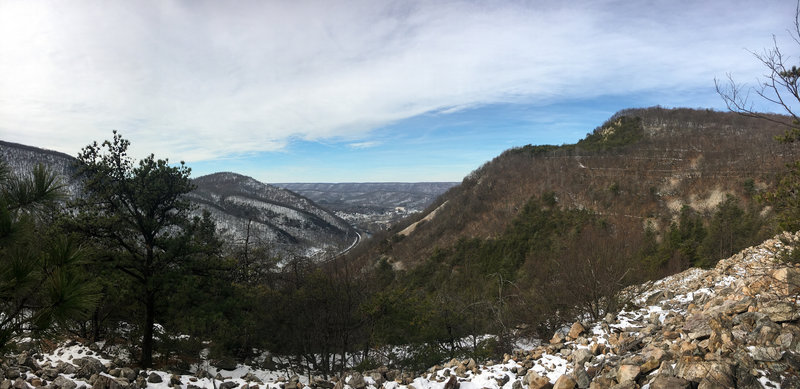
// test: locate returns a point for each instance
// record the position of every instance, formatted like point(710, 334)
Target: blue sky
point(359, 91)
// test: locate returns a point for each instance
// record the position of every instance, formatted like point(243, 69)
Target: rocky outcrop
point(735, 325)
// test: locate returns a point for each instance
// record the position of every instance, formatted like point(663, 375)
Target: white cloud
point(205, 80)
point(364, 145)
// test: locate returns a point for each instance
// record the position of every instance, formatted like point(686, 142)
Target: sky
point(361, 91)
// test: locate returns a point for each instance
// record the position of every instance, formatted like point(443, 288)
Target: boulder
point(105, 382)
point(717, 371)
point(62, 382)
point(452, 383)
point(582, 379)
point(581, 356)
point(535, 381)
point(357, 381)
point(664, 382)
point(576, 330)
point(780, 311)
point(88, 366)
point(765, 354)
point(628, 373)
point(154, 378)
point(564, 382)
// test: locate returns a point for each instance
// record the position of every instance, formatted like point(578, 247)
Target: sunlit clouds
point(208, 81)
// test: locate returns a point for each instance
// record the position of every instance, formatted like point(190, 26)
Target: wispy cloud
point(205, 80)
point(364, 145)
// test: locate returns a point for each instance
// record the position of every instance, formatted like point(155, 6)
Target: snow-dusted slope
point(735, 325)
point(22, 159)
point(275, 216)
point(279, 218)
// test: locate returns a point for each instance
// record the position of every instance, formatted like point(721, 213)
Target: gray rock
point(697, 326)
point(664, 382)
point(105, 382)
point(228, 385)
point(62, 382)
point(19, 383)
point(88, 366)
point(766, 354)
point(581, 356)
point(582, 379)
point(154, 378)
point(128, 373)
point(780, 311)
point(718, 371)
point(357, 381)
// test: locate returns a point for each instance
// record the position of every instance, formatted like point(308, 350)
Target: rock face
point(735, 325)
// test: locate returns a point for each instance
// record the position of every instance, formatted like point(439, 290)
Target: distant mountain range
point(273, 216)
point(372, 206)
point(304, 219)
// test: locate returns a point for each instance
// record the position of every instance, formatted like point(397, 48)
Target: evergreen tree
point(40, 278)
point(140, 213)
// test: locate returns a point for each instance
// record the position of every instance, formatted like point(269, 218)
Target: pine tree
point(41, 282)
point(140, 213)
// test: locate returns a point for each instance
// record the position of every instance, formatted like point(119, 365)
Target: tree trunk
point(147, 336)
point(96, 324)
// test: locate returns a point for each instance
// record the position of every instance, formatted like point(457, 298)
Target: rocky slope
point(735, 325)
point(731, 326)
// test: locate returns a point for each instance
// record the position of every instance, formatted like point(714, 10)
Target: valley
point(524, 245)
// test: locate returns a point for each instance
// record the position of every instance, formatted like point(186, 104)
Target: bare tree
point(778, 86)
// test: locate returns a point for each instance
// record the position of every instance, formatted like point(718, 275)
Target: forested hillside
point(641, 167)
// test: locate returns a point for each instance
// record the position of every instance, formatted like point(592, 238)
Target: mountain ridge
point(670, 158)
point(22, 158)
